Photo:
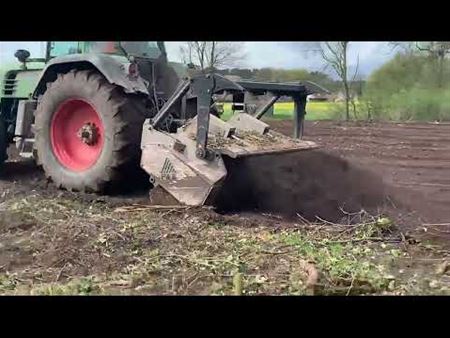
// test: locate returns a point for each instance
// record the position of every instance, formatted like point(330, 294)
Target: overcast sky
point(287, 55)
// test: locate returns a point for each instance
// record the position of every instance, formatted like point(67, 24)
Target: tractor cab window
point(148, 49)
point(64, 47)
point(108, 47)
point(145, 49)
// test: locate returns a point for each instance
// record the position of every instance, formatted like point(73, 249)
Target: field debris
point(84, 247)
point(143, 207)
point(306, 240)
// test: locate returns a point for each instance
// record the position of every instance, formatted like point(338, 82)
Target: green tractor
point(79, 111)
point(94, 114)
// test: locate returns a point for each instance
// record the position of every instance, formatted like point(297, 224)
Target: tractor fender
point(113, 67)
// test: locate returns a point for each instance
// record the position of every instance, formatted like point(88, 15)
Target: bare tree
point(194, 52)
point(402, 46)
point(335, 55)
point(212, 54)
point(187, 52)
point(437, 51)
point(353, 90)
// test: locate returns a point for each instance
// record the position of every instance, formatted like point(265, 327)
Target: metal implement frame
point(297, 91)
point(203, 87)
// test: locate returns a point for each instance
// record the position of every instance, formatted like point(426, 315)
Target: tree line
point(225, 58)
point(283, 75)
point(218, 56)
point(414, 85)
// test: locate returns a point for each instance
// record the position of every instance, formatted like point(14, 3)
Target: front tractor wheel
point(88, 133)
point(76, 135)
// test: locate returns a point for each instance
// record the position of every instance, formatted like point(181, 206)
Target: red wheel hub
point(76, 134)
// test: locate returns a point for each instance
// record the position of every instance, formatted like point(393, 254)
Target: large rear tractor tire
point(3, 143)
point(88, 133)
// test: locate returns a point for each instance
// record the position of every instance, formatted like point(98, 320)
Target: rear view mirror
point(22, 55)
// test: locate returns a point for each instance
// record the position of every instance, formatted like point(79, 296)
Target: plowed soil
point(407, 162)
point(53, 241)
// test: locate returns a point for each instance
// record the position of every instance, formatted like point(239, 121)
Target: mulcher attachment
point(178, 172)
point(187, 166)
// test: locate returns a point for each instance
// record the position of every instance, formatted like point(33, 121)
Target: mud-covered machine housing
point(188, 165)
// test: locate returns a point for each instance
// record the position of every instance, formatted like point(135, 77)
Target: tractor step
point(25, 146)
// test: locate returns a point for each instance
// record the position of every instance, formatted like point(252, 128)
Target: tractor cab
point(141, 49)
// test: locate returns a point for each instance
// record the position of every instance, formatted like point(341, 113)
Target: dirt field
point(355, 217)
point(413, 160)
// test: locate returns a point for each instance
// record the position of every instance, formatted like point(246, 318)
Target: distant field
point(285, 110)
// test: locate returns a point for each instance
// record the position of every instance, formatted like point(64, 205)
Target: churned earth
point(365, 214)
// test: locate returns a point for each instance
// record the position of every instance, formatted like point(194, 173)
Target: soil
point(398, 170)
point(312, 183)
point(412, 160)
